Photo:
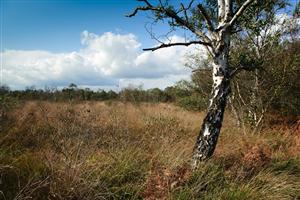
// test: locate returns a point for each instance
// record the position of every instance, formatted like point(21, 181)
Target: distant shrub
point(194, 102)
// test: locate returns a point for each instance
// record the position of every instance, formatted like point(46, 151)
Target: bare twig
point(206, 17)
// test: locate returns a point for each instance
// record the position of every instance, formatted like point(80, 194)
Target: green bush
point(194, 102)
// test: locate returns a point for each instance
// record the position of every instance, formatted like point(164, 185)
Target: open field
point(111, 150)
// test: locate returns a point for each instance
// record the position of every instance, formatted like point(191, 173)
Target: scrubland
point(113, 150)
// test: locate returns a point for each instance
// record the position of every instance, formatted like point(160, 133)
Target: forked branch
point(172, 15)
point(239, 12)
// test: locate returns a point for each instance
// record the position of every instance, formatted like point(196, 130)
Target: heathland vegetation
point(77, 143)
point(115, 150)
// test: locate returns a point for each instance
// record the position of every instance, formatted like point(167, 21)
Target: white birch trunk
point(212, 123)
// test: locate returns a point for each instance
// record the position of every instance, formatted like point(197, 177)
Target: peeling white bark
point(206, 131)
point(228, 5)
point(221, 9)
point(219, 65)
point(212, 123)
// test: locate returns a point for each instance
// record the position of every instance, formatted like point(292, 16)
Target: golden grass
point(112, 150)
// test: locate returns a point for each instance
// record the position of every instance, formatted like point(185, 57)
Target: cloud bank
point(105, 60)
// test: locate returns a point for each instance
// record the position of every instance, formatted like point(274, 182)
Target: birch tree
point(212, 23)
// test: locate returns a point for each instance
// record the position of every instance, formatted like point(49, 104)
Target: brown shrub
point(258, 156)
point(162, 180)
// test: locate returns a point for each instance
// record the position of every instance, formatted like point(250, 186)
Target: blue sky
point(33, 28)
point(55, 25)
point(88, 42)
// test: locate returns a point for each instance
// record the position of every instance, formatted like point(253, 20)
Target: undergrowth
point(122, 151)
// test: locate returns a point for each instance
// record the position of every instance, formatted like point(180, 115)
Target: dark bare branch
point(142, 8)
point(190, 4)
point(157, 38)
point(146, 2)
point(241, 68)
point(236, 71)
point(176, 44)
point(173, 15)
point(236, 31)
point(206, 17)
point(184, 12)
point(182, 22)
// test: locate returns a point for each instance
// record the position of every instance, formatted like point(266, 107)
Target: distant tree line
point(177, 93)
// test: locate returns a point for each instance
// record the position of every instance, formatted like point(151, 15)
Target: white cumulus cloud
point(104, 60)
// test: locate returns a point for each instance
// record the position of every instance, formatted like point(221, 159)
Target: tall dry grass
point(98, 150)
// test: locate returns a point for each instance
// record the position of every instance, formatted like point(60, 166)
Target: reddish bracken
point(161, 180)
point(256, 157)
point(157, 183)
